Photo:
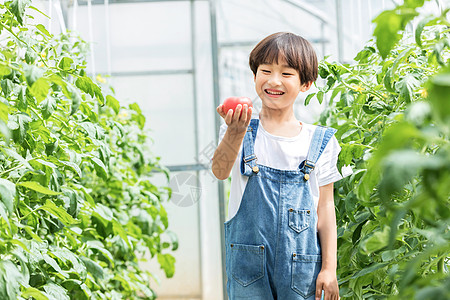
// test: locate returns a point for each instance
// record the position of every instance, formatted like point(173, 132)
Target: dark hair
point(298, 53)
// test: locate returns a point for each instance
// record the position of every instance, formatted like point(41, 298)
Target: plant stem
point(440, 265)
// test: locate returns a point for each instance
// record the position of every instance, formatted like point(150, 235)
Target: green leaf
point(439, 95)
point(403, 55)
point(10, 280)
point(308, 98)
point(104, 212)
point(94, 244)
point(397, 171)
point(389, 255)
point(364, 54)
point(389, 23)
point(29, 230)
point(73, 166)
point(7, 87)
point(134, 106)
point(414, 3)
point(42, 29)
point(76, 98)
point(39, 89)
point(376, 241)
point(397, 136)
point(32, 73)
point(7, 194)
point(320, 96)
point(174, 239)
point(55, 292)
point(4, 215)
point(19, 125)
point(163, 216)
point(100, 168)
point(94, 268)
point(59, 213)
point(4, 70)
point(167, 263)
point(18, 9)
point(118, 229)
point(86, 85)
point(65, 63)
point(33, 292)
point(369, 269)
point(36, 186)
point(387, 80)
point(68, 256)
point(36, 9)
point(113, 103)
point(419, 29)
point(406, 86)
point(52, 262)
point(48, 106)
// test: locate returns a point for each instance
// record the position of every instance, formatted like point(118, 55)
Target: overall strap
point(320, 139)
point(248, 160)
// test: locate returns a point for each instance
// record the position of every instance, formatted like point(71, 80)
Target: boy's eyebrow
point(284, 66)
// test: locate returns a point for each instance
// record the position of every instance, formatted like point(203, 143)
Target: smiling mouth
point(272, 92)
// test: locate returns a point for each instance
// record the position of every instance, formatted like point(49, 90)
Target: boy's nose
point(274, 80)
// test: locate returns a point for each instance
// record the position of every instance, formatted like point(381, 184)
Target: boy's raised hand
point(236, 122)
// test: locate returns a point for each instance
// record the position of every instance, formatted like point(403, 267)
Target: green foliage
point(392, 111)
point(78, 209)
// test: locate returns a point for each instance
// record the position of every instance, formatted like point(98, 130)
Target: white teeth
point(274, 93)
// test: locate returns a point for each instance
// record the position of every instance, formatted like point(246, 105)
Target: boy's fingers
point(244, 113)
point(219, 110)
point(228, 116)
point(237, 112)
point(249, 116)
point(318, 292)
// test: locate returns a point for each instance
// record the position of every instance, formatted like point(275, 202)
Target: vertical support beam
point(50, 14)
point(196, 138)
point(91, 35)
point(215, 65)
point(322, 37)
point(339, 30)
point(369, 7)
point(108, 41)
point(74, 15)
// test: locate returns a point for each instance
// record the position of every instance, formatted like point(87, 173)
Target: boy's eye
point(265, 71)
point(287, 74)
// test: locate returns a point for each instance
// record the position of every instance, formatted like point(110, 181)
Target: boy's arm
point(326, 226)
point(228, 149)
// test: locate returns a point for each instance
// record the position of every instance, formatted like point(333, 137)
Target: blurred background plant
point(392, 111)
point(78, 209)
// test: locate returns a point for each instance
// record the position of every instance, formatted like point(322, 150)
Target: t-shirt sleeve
point(327, 171)
point(222, 131)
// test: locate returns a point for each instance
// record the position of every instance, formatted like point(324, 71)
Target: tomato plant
point(78, 208)
point(391, 108)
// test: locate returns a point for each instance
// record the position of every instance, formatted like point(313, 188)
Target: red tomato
point(232, 102)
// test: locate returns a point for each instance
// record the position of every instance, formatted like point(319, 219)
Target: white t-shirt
point(286, 153)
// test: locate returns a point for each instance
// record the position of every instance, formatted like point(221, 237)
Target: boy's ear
point(306, 86)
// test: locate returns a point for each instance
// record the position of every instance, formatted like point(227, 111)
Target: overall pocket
point(305, 268)
point(246, 263)
point(299, 219)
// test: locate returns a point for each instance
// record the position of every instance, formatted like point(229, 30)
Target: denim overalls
point(272, 246)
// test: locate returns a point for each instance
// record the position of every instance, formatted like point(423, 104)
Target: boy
point(281, 236)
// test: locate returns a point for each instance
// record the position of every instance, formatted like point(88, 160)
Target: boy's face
point(278, 85)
